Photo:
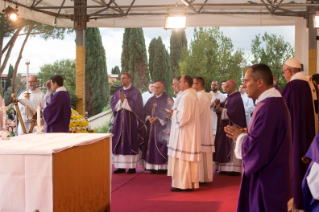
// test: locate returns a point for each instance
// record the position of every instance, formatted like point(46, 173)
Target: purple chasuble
point(57, 113)
point(155, 146)
point(266, 157)
point(298, 97)
point(311, 204)
point(128, 126)
point(236, 114)
point(277, 87)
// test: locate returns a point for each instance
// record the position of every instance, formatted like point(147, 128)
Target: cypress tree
point(9, 77)
point(96, 77)
point(138, 67)
point(182, 36)
point(168, 74)
point(125, 57)
point(151, 54)
point(116, 70)
point(159, 65)
point(177, 42)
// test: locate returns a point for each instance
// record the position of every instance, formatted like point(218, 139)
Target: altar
point(56, 172)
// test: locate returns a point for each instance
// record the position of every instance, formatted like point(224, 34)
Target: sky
point(40, 51)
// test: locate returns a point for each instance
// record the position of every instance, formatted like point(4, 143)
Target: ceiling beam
point(130, 7)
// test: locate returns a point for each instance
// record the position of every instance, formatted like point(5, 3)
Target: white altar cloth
point(26, 168)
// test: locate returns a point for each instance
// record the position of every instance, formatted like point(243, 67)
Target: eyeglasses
point(284, 71)
point(31, 81)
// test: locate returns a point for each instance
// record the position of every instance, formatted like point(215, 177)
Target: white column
point(301, 42)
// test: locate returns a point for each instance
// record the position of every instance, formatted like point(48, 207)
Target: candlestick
point(39, 127)
point(39, 116)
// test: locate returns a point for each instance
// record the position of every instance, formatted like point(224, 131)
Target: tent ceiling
point(151, 13)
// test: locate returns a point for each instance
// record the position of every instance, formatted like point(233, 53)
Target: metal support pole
point(312, 50)
point(80, 19)
point(80, 71)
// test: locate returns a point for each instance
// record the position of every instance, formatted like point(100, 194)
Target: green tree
point(9, 77)
point(211, 55)
point(30, 28)
point(65, 68)
point(151, 54)
point(96, 77)
point(161, 66)
point(178, 41)
point(272, 50)
point(125, 57)
point(138, 66)
point(116, 70)
point(19, 87)
point(134, 57)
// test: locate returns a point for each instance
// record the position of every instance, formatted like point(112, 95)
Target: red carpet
point(151, 192)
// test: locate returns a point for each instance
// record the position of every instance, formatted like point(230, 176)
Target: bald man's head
point(159, 88)
point(32, 81)
point(230, 87)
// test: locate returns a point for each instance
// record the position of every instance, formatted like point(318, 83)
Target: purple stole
point(236, 114)
point(155, 145)
point(128, 126)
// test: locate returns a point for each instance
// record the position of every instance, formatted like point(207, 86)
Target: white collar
point(271, 92)
point(62, 88)
point(158, 96)
point(298, 74)
point(127, 87)
point(34, 91)
point(203, 91)
point(244, 94)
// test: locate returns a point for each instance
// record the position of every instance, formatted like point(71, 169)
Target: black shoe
point(119, 171)
point(223, 173)
point(179, 190)
point(153, 171)
point(131, 171)
point(233, 174)
point(202, 183)
point(161, 172)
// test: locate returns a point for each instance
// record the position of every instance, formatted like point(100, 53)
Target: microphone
point(37, 86)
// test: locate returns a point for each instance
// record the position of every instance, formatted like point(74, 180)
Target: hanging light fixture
point(11, 14)
point(175, 22)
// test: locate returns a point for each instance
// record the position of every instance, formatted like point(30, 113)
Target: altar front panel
point(81, 178)
point(51, 171)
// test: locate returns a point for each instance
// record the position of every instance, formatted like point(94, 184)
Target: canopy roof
point(151, 13)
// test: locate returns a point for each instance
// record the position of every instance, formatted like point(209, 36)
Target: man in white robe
point(148, 94)
point(184, 148)
point(207, 137)
point(36, 96)
point(216, 94)
point(248, 104)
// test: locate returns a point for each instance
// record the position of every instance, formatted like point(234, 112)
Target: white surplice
point(36, 96)
point(207, 137)
point(222, 97)
point(249, 107)
point(184, 148)
point(176, 100)
point(146, 96)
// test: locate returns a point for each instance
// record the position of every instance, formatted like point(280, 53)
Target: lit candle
point(39, 116)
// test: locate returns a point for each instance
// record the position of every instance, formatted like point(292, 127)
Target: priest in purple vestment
point(310, 184)
point(157, 123)
point(232, 112)
point(57, 113)
point(300, 95)
point(128, 126)
point(266, 149)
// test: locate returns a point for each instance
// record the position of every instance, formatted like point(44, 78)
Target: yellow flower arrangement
point(78, 124)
